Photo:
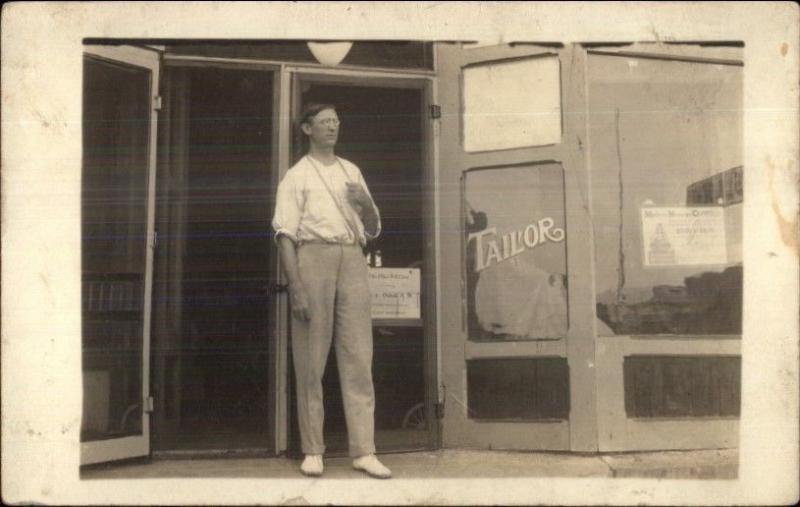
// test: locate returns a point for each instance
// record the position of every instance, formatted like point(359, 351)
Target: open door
point(118, 184)
point(512, 193)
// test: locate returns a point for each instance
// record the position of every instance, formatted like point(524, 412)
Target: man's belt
point(323, 242)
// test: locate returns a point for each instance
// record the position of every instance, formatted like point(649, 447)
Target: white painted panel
point(512, 104)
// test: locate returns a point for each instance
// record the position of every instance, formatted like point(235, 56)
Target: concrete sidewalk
point(451, 463)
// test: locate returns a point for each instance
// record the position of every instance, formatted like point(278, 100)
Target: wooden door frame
point(578, 433)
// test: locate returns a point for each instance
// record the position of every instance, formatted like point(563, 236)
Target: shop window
point(515, 253)
point(518, 388)
point(696, 386)
point(511, 104)
point(667, 188)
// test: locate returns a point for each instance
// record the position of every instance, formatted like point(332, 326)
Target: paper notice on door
point(395, 293)
point(684, 236)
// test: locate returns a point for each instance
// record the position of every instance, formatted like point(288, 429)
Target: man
point(324, 215)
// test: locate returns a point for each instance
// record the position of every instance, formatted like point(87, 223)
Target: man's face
point(323, 129)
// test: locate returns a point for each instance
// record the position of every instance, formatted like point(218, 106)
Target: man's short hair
point(312, 110)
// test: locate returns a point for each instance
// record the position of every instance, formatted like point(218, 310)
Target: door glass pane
point(116, 127)
point(666, 195)
point(515, 259)
point(512, 104)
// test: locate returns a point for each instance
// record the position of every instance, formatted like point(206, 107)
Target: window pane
point(116, 127)
point(515, 255)
point(666, 141)
point(512, 104)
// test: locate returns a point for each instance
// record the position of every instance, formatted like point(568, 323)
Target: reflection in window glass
point(667, 195)
point(516, 276)
point(512, 104)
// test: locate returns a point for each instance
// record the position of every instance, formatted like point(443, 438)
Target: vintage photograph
point(378, 260)
point(276, 263)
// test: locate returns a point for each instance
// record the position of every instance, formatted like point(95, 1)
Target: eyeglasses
point(330, 122)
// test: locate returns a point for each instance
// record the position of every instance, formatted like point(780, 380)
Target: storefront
point(560, 266)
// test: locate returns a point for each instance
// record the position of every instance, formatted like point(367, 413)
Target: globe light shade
point(330, 53)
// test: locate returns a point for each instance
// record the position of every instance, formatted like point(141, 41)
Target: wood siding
point(518, 388)
point(696, 386)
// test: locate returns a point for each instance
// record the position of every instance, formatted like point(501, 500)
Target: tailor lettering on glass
point(493, 250)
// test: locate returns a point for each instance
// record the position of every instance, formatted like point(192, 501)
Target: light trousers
point(335, 279)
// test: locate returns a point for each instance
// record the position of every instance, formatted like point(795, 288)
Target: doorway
point(384, 132)
point(213, 340)
point(217, 367)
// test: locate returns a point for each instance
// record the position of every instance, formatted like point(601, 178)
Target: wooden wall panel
point(689, 386)
point(518, 388)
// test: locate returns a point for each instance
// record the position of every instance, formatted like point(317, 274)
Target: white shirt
point(305, 209)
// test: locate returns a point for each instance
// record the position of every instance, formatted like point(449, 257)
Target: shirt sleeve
point(288, 208)
point(377, 211)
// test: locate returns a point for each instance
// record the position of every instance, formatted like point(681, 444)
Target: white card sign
point(684, 236)
point(395, 293)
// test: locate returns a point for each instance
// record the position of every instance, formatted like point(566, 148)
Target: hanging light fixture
point(330, 53)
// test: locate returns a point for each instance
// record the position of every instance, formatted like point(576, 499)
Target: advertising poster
point(684, 236)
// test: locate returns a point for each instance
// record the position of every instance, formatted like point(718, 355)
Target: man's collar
point(314, 159)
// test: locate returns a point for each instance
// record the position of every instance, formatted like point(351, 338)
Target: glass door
point(119, 128)
point(515, 235)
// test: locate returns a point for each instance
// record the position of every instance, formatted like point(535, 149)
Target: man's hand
point(298, 297)
point(362, 203)
point(357, 196)
point(299, 302)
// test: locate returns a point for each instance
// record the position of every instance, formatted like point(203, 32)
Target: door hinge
point(439, 410)
point(149, 404)
point(157, 102)
point(435, 111)
point(154, 240)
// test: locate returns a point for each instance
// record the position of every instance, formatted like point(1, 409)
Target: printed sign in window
point(684, 236)
point(395, 293)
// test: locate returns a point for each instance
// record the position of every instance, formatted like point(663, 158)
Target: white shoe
point(372, 466)
point(312, 465)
